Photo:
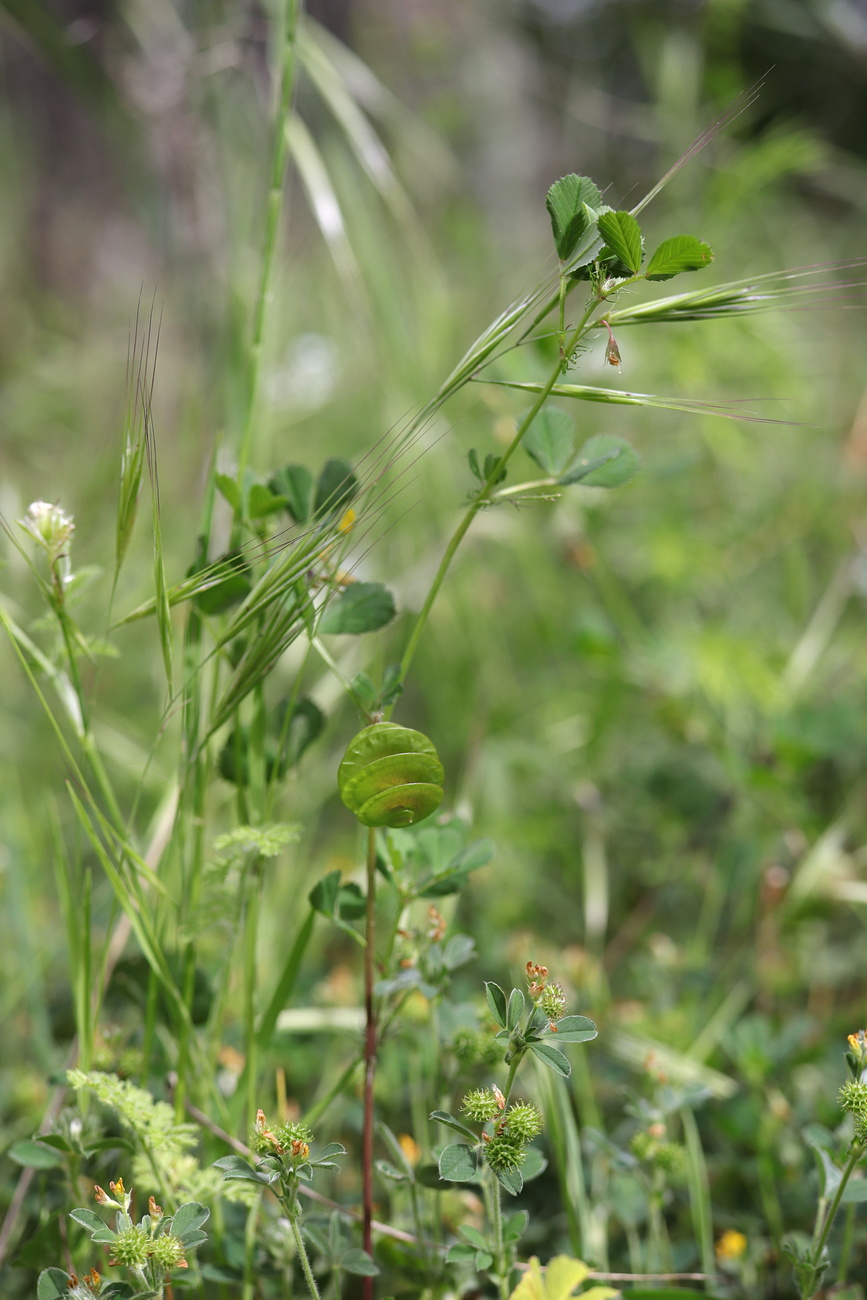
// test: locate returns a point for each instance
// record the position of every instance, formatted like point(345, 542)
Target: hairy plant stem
point(824, 1219)
point(483, 496)
point(273, 210)
point(294, 1216)
point(370, 1043)
point(496, 1212)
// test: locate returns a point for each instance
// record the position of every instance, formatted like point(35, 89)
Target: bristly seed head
point(483, 1104)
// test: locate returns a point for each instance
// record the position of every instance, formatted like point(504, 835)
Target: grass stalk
point(484, 494)
point(273, 210)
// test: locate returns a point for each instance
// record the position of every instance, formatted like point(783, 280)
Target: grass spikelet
point(140, 377)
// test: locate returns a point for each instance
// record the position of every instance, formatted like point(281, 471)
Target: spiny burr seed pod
point(390, 776)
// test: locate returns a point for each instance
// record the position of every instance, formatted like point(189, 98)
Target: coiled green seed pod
point(390, 776)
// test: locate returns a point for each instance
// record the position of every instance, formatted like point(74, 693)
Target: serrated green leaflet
point(682, 253)
point(622, 235)
point(568, 201)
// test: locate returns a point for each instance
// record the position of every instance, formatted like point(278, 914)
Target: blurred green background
point(653, 700)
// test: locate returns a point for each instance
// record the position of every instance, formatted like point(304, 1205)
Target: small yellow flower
point(347, 521)
point(410, 1148)
point(731, 1245)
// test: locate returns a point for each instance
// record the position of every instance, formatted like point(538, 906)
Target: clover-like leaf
point(458, 1163)
point(363, 607)
point(550, 440)
point(622, 235)
point(554, 1059)
point(604, 461)
point(443, 1117)
point(569, 201)
point(497, 1002)
point(574, 1029)
point(682, 253)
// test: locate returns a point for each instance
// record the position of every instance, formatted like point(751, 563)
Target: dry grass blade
point(588, 393)
point(781, 290)
point(726, 117)
point(162, 604)
point(323, 201)
point(140, 377)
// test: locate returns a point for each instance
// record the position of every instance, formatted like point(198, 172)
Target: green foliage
point(651, 701)
point(683, 253)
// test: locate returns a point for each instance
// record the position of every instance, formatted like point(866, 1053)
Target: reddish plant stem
point(370, 1045)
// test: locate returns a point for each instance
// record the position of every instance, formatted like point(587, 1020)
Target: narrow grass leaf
point(138, 915)
point(286, 983)
point(614, 397)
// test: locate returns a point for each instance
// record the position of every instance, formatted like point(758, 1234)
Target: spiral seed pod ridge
point(390, 776)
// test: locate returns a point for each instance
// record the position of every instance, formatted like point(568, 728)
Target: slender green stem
point(846, 1247)
point(251, 935)
point(513, 1070)
point(826, 1215)
point(302, 1256)
point(273, 210)
point(484, 494)
point(250, 1238)
point(502, 1267)
point(370, 1046)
